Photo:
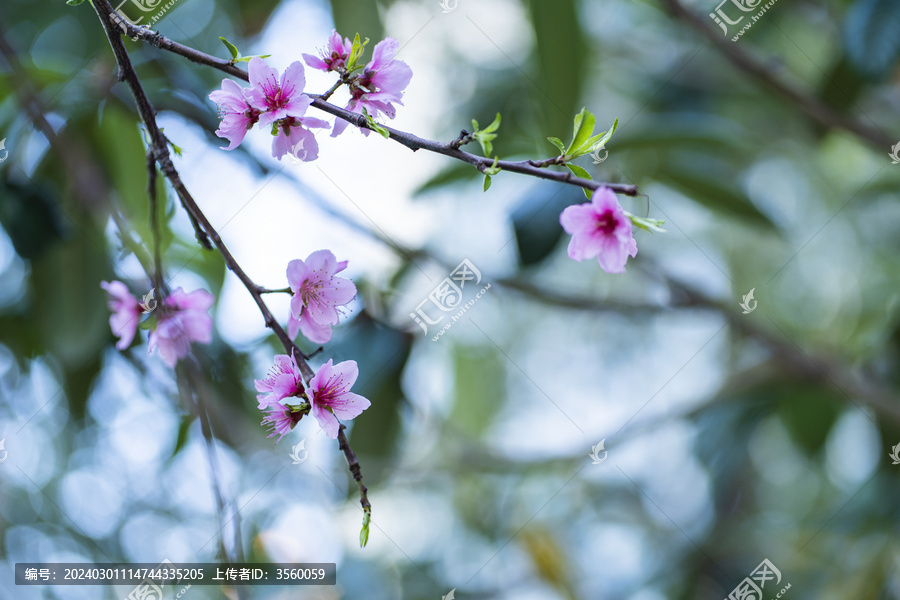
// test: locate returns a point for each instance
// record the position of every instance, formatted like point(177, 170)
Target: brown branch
point(745, 61)
point(353, 465)
point(159, 143)
point(409, 140)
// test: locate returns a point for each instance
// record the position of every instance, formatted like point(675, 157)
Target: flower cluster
point(600, 229)
point(279, 104)
point(182, 319)
point(317, 294)
point(284, 400)
point(377, 88)
point(276, 104)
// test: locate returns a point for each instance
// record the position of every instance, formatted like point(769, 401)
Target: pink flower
point(237, 115)
point(284, 381)
point(277, 99)
point(330, 396)
point(381, 84)
point(182, 320)
point(602, 229)
point(280, 420)
point(317, 294)
point(335, 57)
point(294, 138)
point(126, 312)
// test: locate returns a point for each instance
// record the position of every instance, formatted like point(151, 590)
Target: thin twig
point(353, 465)
point(413, 142)
point(745, 61)
point(157, 273)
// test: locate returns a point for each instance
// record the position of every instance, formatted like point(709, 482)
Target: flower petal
point(319, 333)
point(297, 273)
point(327, 421)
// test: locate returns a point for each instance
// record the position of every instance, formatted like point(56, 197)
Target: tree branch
point(109, 19)
point(413, 142)
point(745, 61)
point(353, 465)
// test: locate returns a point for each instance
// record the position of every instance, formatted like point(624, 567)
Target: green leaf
point(231, 47)
point(580, 172)
point(74, 2)
point(356, 52)
point(486, 135)
point(584, 128)
point(247, 58)
point(487, 182)
point(495, 124)
point(559, 144)
point(598, 140)
point(646, 223)
point(364, 532)
point(375, 126)
point(184, 429)
point(493, 169)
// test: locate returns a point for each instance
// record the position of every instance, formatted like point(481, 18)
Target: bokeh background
point(731, 437)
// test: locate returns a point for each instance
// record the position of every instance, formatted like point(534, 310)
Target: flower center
point(310, 290)
point(606, 223)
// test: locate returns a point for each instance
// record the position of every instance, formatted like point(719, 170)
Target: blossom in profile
point(238, 117)
point(295, 138)
point(380, 85)
point(330, 397)
point(283, 381)
point(126, 312)
point(318, 291)
point(600, 229)
point(280, 420)
point(334, 57)
point(184, 318)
